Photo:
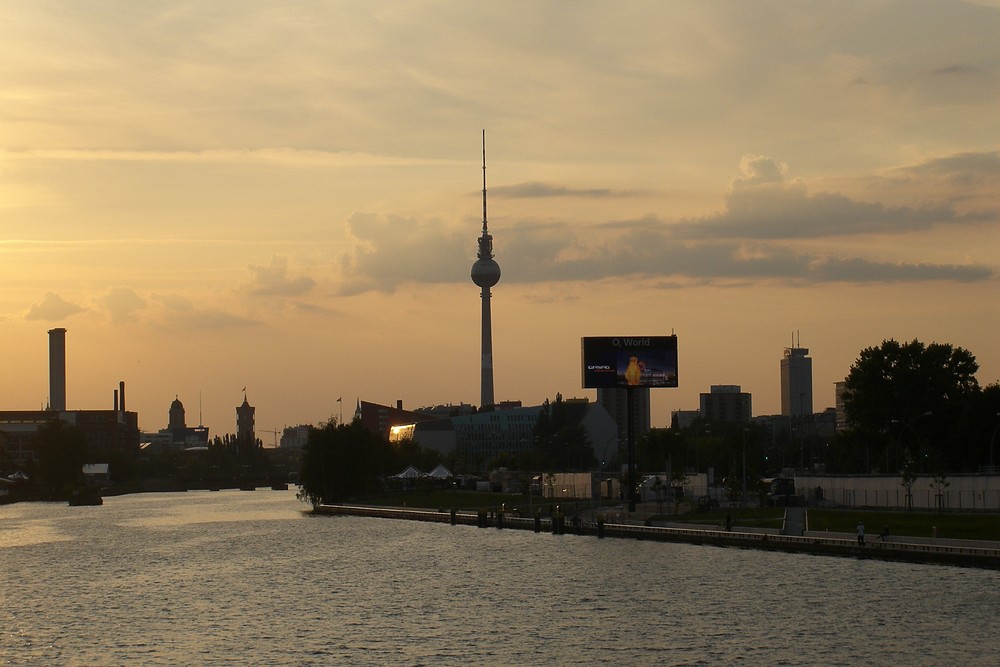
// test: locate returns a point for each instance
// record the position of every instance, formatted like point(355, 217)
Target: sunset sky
point(286, 196)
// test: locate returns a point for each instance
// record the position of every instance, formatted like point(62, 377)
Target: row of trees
point(62, 450)
point(907, 406)
point(347, 461)
point(918, 402)
point(343, 461)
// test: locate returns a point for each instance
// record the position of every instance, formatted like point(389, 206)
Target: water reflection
point(241, 578)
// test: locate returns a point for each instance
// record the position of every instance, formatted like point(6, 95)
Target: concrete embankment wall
point(828, 546)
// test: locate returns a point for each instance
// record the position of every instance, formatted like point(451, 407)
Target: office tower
point(726, 403)
point(796, 382)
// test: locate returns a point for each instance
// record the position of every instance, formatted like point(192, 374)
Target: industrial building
point(110, 433)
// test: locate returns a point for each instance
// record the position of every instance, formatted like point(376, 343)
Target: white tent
point(440, 473)
point(409, 473)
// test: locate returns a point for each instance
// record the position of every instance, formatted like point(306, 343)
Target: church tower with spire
point(486, 274)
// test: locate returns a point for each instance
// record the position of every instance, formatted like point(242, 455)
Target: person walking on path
point(861, 534)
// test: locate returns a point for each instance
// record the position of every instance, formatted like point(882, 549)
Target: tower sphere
point(485, 272)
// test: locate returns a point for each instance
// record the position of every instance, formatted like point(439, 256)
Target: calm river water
point(238, 578)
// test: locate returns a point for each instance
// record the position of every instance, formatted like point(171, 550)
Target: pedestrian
point(885, 532)
point(861, 534)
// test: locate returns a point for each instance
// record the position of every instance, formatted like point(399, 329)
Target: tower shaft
point(486, 391)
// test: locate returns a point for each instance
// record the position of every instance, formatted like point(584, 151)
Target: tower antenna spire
point(484, 181)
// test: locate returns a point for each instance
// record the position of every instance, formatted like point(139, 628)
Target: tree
point(341, 462)
point(560, 442)
point(910, 391)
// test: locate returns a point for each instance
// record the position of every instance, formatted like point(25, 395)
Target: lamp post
point(993, 440)
point(744, 499)
point(908, 424)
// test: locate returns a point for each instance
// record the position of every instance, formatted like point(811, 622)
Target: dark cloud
point(761, 204)
point(956, 69)
point(537, 190)
point(861, 271)
point(763, 234)
point(966, 165)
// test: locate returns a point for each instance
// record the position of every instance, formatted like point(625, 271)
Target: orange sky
point(287, 197)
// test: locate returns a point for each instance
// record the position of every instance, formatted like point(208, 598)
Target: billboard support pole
point(630, 440)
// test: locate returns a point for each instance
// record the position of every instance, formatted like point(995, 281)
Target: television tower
point(486, 274)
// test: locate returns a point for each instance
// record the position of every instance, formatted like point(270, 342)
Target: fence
point(958, 493)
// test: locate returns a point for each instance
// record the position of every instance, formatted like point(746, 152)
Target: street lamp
point(993, 439)
point(745, 429)
point(908, 424)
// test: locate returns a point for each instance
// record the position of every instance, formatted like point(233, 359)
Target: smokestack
point(57, 370)
point(116, 400)
point(121, 397)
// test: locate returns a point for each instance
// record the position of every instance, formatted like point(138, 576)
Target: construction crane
point(274, 433)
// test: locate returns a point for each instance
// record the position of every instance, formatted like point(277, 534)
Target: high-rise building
point(796, 382)
point(726, 403)
point(615, 401)
point(486, 274)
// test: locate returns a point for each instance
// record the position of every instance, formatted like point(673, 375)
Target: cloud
point(761, 204)
point(122, 303)
point(52, 308)
point(182, 315)
point(956, 69)
point(175, 302)
point(273, 279)
point(537, 190)
point(770, 229)
point(640, 249)
point(863, 271)
point(758, 170)
point(968, 167)
point(210, 319)
point(391, 250)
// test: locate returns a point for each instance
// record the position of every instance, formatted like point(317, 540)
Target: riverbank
point(986, 555)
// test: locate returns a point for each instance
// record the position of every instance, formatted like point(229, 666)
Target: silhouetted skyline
point(215, 196)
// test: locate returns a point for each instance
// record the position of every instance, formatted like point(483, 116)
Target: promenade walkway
point(941, 552)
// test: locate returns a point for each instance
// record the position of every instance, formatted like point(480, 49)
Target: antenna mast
point(484, 181)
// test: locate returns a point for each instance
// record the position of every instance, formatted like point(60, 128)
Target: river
point(239, 578)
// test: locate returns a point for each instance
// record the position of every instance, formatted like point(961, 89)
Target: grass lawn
point(956, 525)
point(756, 517)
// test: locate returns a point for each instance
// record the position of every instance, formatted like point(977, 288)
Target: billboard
point(629, 361)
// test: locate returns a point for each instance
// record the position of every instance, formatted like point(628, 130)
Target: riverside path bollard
point(453, 521)
point(600, 525)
